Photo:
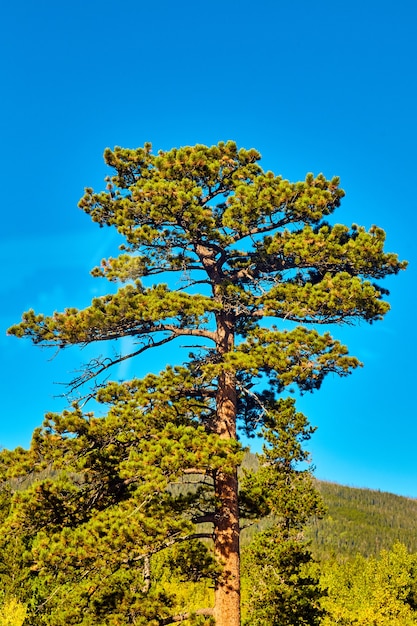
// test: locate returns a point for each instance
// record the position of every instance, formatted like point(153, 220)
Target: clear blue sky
point(314, 86)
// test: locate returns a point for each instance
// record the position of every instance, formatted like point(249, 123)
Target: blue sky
point(324, 87)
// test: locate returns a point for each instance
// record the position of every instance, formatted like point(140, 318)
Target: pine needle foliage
point(247, 265)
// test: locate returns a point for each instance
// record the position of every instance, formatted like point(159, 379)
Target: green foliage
point(239, 248)
point(379, 591)
point(362, 521)
point(165, 207)
point(193, 561)
point(92, 526)
point(277, 587)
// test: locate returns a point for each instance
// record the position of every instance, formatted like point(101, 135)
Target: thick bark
point(226, 531)
point(226, 547)
point(226, 525)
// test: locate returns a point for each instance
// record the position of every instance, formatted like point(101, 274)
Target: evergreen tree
point(278, 581)
point(244, 248)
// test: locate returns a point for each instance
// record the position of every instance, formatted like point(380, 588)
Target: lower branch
point(184, 616)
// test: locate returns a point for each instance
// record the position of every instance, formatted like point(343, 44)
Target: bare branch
point(97, 367)
point(91, 372)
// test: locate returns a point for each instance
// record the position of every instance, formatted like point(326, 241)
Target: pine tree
point(279, 583)
point(240, 249)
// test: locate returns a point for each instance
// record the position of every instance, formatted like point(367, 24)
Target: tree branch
point(208, 518)
point(190, 332)
point(182, 617)
point(91, 373)
point(264, 229)
point(95, 367)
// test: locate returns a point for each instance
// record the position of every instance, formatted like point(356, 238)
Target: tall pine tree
point(240, 250)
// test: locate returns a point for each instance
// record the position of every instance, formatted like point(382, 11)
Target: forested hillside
point(365, 571)
point(363, 521)
point(357, 520)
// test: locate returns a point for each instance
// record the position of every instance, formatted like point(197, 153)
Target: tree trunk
point(226, 547)
point(226, 525)
point(226, 530)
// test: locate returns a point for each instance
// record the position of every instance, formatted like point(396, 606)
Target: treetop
point(231, 241)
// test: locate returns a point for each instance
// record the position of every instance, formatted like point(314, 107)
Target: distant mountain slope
point(362, 521)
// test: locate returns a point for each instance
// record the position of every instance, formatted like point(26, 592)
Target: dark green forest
point(362, 521)
point(356, 520)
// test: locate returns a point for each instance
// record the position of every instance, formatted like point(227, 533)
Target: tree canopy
point(248, 265)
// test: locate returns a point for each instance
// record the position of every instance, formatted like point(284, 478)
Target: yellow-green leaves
point(12, 613)
point(211, 216)
point(272, 201)
point(371, 591)
point(171, 191)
